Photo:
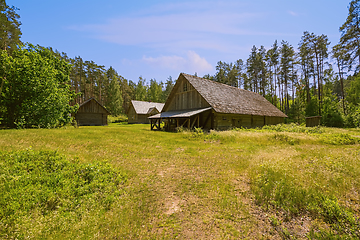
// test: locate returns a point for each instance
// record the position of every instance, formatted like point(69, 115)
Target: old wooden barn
point(139, 111)
point(198, 102)
point(91, 113)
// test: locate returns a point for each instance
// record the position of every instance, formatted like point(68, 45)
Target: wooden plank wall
point(132, 116)
point(225, 121)
point(187, 98)
point(91, 119)
point(92, 107)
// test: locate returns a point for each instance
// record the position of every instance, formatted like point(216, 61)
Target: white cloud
point(191, 63)
point(293, 13)
point(179, 26)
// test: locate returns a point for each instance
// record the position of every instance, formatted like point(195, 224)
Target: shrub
point(46, 182)
point(339, 139)
point(280, 190)
point(293, 127)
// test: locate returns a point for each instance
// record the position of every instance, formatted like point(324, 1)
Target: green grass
point(283, 181)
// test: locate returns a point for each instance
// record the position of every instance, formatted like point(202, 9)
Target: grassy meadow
point(126, 182)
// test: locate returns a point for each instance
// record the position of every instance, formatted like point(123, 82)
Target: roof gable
point(92, 105)
point(142, 107)
point(226, 99)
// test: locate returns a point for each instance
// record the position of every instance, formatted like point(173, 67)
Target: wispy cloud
point(191, 63)
point(200, 25)
point(292, 13)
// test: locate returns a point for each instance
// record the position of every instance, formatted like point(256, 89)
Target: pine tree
point(114, 100)
point(272, 57)
point(9, 27)
point(350, 34)
point(286, 62)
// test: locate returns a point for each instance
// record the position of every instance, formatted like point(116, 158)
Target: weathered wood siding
point(132, 116)
point(92, 107)
point(186, 97)
point(91, 119)
point(224, 121)
point(91, 114)
point(313, 121)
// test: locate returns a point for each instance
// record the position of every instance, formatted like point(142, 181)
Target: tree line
point(307, 80)
point(89, 79)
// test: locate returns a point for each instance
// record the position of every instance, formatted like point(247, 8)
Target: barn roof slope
point(226, 99)
point(142, 107)
point(89, 100)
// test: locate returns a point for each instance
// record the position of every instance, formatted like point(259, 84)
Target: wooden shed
point(199, 102)
point(313, 121)
point(91, 113)
point(139, 111)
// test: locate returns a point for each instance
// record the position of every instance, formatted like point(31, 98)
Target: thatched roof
point(142, 107)
point(226, 99)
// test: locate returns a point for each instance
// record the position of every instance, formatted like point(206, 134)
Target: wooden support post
point(212, 120)
point(184, 122)
point(189, 123)
point(196, 118)
point(177, 122)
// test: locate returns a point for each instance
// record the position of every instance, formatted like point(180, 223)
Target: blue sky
point(158, 39)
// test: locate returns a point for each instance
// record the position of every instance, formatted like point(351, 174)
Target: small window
point(185, 87)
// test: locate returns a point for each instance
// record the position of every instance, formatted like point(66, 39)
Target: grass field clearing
point(285, 182)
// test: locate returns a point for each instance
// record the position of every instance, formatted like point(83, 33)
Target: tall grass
point(283, 181)
point(49, 186)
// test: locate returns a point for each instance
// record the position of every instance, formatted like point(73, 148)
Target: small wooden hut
point(313, 121)
point(91, 113)
point(139, 111)
point(199, 102)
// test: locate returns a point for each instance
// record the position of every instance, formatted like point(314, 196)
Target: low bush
point(284, 138)
point(45, 182)
point(338, 139)
point(293, 127)
point(280, 190)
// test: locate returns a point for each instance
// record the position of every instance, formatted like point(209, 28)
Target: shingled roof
point(226, 99)
point(142, 107)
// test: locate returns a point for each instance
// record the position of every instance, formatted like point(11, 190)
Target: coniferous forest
point(314, 78)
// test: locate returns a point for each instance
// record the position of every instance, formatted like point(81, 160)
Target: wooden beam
point(196, 118)
point(207, 119)
point(212, 120)
point(184, 122)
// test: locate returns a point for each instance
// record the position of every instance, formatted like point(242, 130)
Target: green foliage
point(9, 27)
point(114, 101)
point(198, 132)
point(35, 91)
point(279, 189)
point(350, 32)
point(312, 108)
point(47, 183)
point(122, 118)
point(339, 139)
point(285, 138)
point(292, 127)
point(331, 115)
point(154, 91)
point(352, 119)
